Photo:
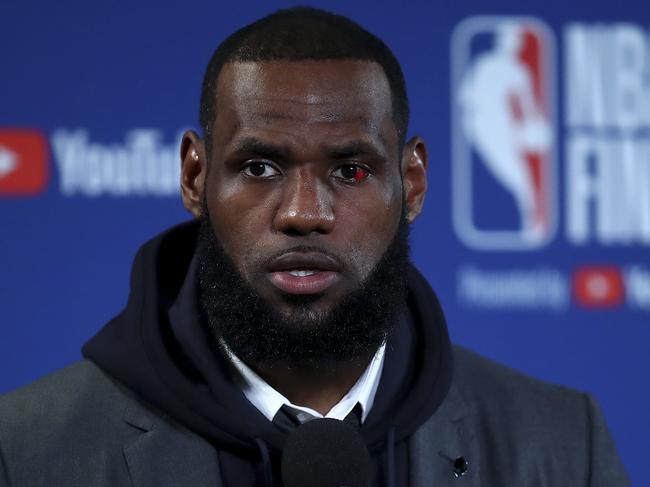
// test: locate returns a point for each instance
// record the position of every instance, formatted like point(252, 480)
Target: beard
point(236, 315)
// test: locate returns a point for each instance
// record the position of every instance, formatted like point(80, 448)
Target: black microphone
point(325, 453)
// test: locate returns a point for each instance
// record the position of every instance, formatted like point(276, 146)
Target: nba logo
point(504, 178)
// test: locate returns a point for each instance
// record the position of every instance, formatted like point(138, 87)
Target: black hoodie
point(157, 348)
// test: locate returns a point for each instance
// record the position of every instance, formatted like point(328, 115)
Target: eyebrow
point(257, 147)
point(354, 149)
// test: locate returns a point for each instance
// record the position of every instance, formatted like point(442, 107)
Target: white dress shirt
point(269, 401)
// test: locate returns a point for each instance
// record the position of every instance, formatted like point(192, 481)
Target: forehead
point(332, 95)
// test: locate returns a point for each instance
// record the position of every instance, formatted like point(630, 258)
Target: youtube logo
point(598, 286)
point(23, 162)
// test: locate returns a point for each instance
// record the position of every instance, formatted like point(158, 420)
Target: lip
point(324, 272)
point(304, 260)
point(316, 283)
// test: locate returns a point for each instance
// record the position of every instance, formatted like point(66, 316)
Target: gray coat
point(78, 427)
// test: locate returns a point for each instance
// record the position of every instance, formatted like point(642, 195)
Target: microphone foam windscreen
point(325, 453)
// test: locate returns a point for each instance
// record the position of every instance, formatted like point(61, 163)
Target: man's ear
point(194, 169)
point(414, 174)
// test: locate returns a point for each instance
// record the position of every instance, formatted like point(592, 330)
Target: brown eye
point(348, 172)
point(259, 169)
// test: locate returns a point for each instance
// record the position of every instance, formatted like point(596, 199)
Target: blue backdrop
point(536, 242)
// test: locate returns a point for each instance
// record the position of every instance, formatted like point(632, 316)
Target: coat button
point(460, 466)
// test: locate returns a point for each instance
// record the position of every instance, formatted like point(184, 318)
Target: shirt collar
point(269, 401)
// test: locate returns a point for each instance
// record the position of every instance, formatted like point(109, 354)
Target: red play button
point(23, 162)
point(598, 286)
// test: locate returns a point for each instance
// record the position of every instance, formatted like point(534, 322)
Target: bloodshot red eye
point(355, 173)
point(360, 174)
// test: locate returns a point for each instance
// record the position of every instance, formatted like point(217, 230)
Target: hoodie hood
point(140, 349)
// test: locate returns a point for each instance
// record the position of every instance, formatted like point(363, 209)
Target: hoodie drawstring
point(266, 459)
point(390, 457)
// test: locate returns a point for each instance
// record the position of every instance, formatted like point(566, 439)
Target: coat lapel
point(436, 446)
point(165, 454)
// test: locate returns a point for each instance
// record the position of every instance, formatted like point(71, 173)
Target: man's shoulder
point(489, 388)
point(69, 425)
point(78, 427)
point(483, 374)
point(511, 407)
point(76, 412)
point(54, 396)
point(519, 428)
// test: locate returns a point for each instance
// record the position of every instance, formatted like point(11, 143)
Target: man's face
point(304, 188)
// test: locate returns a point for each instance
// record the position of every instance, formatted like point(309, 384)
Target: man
point(291, 299)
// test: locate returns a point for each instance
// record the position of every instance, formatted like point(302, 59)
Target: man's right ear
point(194, 169)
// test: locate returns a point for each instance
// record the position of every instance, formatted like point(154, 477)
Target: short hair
point(301, 34)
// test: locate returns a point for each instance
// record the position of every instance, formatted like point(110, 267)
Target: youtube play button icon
point(598, 286)
point(23, 162)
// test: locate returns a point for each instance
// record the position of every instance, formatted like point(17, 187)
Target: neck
point(318, 389)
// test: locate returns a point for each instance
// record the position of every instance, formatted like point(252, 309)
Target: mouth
point(304, 272)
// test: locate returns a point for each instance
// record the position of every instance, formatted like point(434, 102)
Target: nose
point(305, 207)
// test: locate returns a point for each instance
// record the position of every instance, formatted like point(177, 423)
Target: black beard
point(234, 313)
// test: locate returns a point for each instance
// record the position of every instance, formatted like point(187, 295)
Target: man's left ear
point(414, 174)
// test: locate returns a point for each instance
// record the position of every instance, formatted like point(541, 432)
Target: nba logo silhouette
point(504, 178)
